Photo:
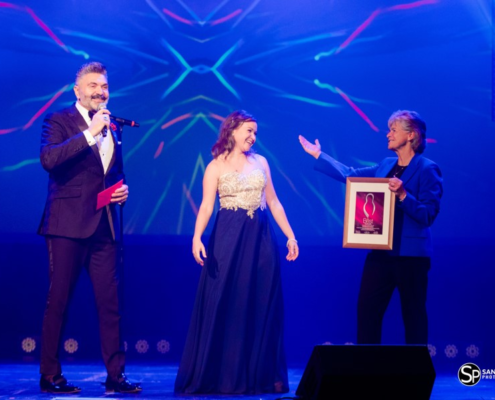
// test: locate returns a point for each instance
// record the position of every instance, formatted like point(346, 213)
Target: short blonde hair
point(411, 122)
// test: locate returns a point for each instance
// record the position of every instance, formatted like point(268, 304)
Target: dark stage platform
point(20, 381)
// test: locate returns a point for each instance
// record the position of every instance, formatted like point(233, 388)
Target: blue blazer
point(422, 180)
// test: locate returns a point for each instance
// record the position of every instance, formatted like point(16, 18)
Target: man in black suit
point(82, 160)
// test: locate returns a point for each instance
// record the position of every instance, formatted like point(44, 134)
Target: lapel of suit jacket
point(411, 169)
point(116, 148)
point(385, 167)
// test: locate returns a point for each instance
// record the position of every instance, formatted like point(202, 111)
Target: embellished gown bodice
point(245, 191)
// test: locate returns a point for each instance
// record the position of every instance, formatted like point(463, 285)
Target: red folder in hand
point(105, 197)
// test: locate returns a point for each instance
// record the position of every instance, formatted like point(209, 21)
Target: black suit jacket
point(76, 176)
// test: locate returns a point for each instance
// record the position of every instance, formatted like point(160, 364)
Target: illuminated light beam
point(226, 18)
point(224, 82)
point(377, 12)
point(322, 85)
point(216, 9)
point(277, 165)
point(38, 20)
point(364, 163)
point(21, 164)
point(313, 38)
point(307, 100)
point(245, 78)
point(411, 5)
point(195, 119)
point(71, 49)
point(354, 42)
point(159, 150)
point(190, 11)
point(5, 131)
point(187, 193)
point(177, 18)
point(78, 52)
point(83, 35)
point(142, 83)
point(175, 120)
point(359, 29)
point(183, 62)
point(212, 127)
point(145, 55)
point(202, 40)
point(10, 5)
point(159, 13)
point(215, 67)
point(325, 54)
point(147, 135)
point(45, 107)
point(216, 116)
point(200, 165)
point(46, 29)
point(201, 97)
point(200, 69)
point(183, 131)
point(259, 55)
point(44, 98)
point(357, 109)
point(158, 205)
point(248, 10)
point(323, 201)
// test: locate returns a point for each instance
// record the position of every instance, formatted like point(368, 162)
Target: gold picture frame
point(369, 214)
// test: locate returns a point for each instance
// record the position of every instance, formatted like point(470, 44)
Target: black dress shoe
point(59, 385)
point(122, 385)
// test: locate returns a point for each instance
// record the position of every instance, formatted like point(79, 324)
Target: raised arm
point(278, 213)
point(210, 183)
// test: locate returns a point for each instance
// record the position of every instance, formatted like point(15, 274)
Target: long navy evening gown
point(235, 339)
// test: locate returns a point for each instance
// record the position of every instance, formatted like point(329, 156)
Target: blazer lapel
point(411, 168)
point(116, 149)
point(385, 167)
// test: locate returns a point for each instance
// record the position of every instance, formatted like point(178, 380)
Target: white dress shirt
point(105, 143)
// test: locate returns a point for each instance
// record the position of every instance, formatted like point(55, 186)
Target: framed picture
point(369, 214)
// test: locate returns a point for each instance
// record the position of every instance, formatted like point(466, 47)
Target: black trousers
point(98, 254)
point(383, 273)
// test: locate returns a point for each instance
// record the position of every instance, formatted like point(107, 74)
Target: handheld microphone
point(103, 106)
point(124, 121)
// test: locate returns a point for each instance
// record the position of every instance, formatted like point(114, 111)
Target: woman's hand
point(310, 148)
point(293, 250)
point(198, 250)
point(395, 185)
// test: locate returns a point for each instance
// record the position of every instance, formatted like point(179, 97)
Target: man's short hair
point(91, 68)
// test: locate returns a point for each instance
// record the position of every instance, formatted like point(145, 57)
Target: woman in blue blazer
point(417, 184)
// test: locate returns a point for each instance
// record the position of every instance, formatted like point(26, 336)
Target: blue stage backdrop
point(328, 69)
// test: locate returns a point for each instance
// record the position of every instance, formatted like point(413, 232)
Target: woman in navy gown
point(235, 339)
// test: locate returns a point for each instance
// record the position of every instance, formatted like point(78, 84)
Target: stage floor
point(20, 381)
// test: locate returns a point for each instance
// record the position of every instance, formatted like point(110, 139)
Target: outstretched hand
point(310, 148)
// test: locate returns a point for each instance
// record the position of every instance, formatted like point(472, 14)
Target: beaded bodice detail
point(246, 191)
